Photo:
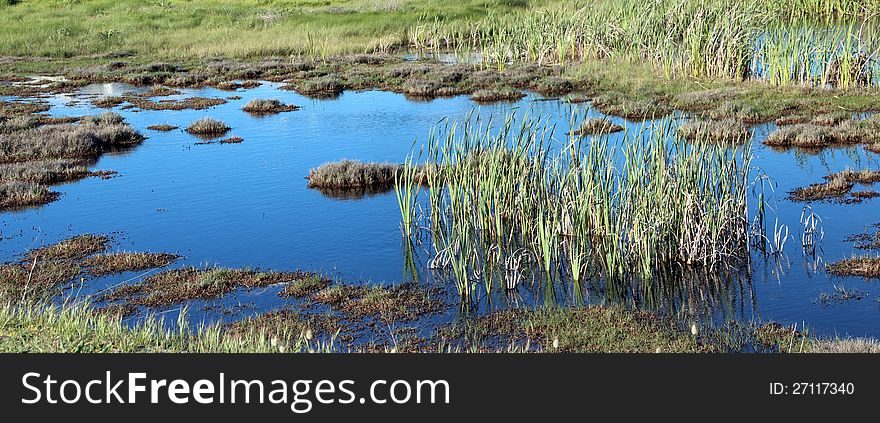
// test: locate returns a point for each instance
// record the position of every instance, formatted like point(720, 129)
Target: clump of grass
point(831, 119)
point(594, 126)
point(801, 135)
point(726, 131)
point(400, 302)
point(162, 127)
point(859, 196)
point(108, 102)
point(76, 327)
point(265, 107)
point(74, 248)
point(347, 174)
point(324, 86)
point(190, 283)
point(231, 140)
point(208, 127)
point(307, 285)
point(491, 95)
point(825, 131)
point(836, 185)
point(45, 172)
point(91, 137)
point(554, 86)
point(105, 264)
point(864, 266)
point(16, 195)
point(191, 103)
point(37, 278)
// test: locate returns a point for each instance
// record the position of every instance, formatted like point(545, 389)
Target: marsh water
point(248, 205)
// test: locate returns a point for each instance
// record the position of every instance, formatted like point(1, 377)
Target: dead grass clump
point(162, 127)
point(108, 102)
point(726, 131)
point(190, 283)
point(18, 108)
point(191, 103)
point(307, 285)
point(321, 87)
point(16, 195)
point(492, 95)
point(864, 176)
point(836, 185)
point(874, 148)
point(18, 123)
point(75, 248)
point(859, 196)
point(864, 266)
point(37, 277)
point(420, 88)
point(594, 126)
point(231, 140)
point(91, 137)
point(45, 172)
point(208, 126)
point(802, 135)
point(106, 264)
point(264, 107)
point(353, 174)
point(401, 302)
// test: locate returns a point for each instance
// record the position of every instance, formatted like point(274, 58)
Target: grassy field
point(178, 29)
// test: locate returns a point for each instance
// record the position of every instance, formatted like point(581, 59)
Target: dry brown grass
point(74, 248)
point(596, 126)
point(106, 264)
point(191, 103)
point(864, 266)
point(347, 174)
point(492, 95)
point(16, 195)
point(190, 283)
point(162, 127)
point(268, 106)
point(208, 126)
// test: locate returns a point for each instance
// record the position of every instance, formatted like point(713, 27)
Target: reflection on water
point(247, 205)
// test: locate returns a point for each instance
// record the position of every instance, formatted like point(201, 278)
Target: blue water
point(247, 205)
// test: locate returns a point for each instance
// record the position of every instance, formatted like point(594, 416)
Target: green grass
point(178, 29)
point(75, 328)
